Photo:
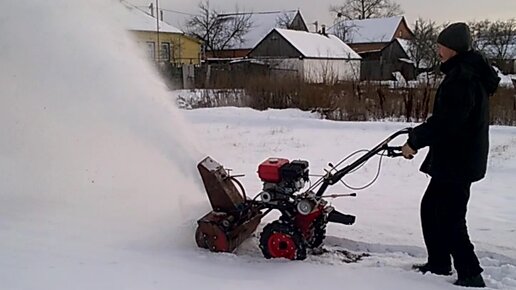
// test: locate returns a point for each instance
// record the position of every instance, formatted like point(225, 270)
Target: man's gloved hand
point(408, 152)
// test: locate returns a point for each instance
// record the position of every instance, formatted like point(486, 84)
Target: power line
point(226, 14)
point(258, 13)
point(164, 9)
point(179, 12)
point(136, 7)
point(220, 15)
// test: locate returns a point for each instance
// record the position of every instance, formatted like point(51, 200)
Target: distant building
point(376, 41)
point(317, 58)
point(262, 24)
point(507, 65)
point(175, 47)
point(382, 64)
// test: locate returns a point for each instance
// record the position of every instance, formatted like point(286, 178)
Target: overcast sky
point(438, 10)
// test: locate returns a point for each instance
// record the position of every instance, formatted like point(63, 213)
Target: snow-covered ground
point(387, 213)
point(98, 187)
point(506, 80)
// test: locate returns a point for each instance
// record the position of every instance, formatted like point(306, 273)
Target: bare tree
point(479, 31)
point(343, 30)
point(364, 9)
point(285, 20)
point(219, 31)
point(422, 49)
point(501, 37)
point(497, 39)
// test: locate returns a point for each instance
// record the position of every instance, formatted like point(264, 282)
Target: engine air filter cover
point(270, 169)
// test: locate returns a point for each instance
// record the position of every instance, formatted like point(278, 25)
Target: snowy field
point(98, 186)
point(387, 213)
point(126, 221)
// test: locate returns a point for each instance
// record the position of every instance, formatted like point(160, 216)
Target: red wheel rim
point(281, 246)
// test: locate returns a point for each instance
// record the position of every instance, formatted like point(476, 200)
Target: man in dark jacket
point(457, 134)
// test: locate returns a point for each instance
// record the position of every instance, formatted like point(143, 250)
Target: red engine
point(282, 177)
point(270, 169)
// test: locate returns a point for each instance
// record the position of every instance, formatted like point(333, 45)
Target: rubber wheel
point(319, 232)
point(281, 240)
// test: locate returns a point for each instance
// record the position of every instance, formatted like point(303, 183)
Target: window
point(165, 51)
point(151, 49)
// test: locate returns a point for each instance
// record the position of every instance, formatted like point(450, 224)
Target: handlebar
point(392, 151)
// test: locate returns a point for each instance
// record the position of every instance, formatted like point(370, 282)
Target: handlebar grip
point(394, 151)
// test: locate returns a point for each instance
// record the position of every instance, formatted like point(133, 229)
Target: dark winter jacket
point(458, 130)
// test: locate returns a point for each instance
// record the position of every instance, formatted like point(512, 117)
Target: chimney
point(316, 23)
point(151, 7)
point(161, 14)
point(323, 30)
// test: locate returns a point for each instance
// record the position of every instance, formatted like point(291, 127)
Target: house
point(175, 46)
point(373, 33)
point(317, 58)
point(376, 41)
point(383, 63)
point(261, 24)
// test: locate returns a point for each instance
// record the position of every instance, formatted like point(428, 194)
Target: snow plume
point(90, 144)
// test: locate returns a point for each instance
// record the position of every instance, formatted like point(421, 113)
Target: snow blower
point(304, 213)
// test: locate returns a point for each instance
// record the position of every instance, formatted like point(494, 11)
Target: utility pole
point(157, 31)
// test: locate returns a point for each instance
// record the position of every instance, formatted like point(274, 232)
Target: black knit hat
point(456, 36)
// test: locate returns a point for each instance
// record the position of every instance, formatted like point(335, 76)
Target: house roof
point(405, 44)
point(262, 24)
point(315, 45)
point(368, 47)
point(139, 20)
point(369, 30)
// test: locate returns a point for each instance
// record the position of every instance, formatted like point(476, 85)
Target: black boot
point(472, 281)
point(423, 268)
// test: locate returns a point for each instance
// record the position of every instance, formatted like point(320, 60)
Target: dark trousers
point(443, 218)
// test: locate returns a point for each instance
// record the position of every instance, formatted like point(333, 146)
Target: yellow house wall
point(184, 50)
